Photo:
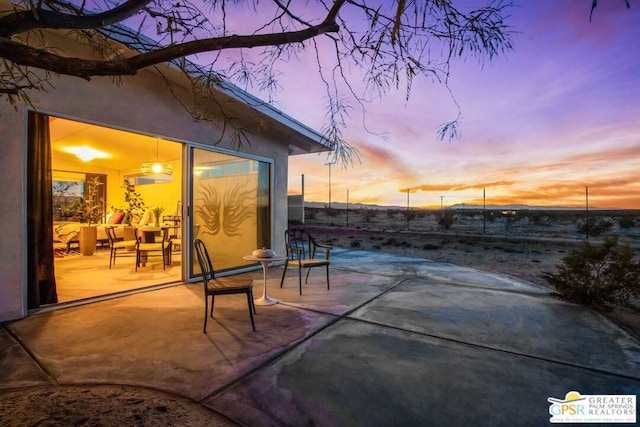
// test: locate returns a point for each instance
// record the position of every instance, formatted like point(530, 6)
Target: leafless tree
point(387, 43)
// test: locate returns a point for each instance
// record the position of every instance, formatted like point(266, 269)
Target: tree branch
point(27, 20)
point(86, 68)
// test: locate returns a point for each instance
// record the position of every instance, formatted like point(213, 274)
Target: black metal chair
point(241, 284)
point(145, 249)
point(118, 244)
point(301, 253)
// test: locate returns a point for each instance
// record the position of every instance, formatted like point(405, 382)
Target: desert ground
point(519, 243)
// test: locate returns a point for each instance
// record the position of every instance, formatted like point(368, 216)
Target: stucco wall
point(12, 215)
point(139, 104)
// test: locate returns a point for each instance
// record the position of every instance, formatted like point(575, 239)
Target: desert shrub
point(599, 276)
point(430, 247)
point(391, 241)
point(355, 244)
point(446, 219)
point(595, 227)
point(419, 214)
point(509, 221)
point(626, 222)
point(369, 214)
point(310, 213)
point(536, 218)
point(491, 216)
point(411, 215)
point(331, 212)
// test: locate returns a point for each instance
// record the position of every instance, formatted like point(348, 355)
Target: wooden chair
point(242, 284)
point(301, 253)
point(118, 244)
point(147, 249)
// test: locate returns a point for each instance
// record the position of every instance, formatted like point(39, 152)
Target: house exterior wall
point(139, 104)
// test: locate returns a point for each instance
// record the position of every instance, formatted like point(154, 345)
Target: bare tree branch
point(85, 68)
point(27, 20)
point(384, 44)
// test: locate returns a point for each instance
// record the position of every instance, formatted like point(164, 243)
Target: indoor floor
point(79, 277)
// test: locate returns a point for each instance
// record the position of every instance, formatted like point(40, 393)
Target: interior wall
point(160, 194)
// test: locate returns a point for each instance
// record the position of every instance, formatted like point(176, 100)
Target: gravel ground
point(102, 406)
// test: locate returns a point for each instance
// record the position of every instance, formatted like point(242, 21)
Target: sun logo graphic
point(579, 408)
point(573, 404)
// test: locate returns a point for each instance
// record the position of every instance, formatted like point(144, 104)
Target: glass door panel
point(231, 207)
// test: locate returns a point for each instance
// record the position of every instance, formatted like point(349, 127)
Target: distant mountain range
point(458, 206)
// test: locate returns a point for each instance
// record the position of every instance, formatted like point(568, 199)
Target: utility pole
point(329, 164)
point(586, 194)
point(484, 210)
point(407, 208)
point(441, 202)
point(347, 208)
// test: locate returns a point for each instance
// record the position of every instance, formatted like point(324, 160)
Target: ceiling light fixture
point(86, 153)
point(156, 167)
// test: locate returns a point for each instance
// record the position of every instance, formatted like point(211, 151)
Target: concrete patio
point(395, 341)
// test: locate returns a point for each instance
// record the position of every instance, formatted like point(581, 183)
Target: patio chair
point(118, 244)
point(301, 253)
point(242, 284)
point(145, 249)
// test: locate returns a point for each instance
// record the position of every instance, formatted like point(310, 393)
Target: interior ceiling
point(126, 150)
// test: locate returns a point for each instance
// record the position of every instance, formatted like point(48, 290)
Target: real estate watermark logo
point(595, 408)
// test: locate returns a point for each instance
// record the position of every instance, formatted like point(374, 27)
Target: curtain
point(41, 280)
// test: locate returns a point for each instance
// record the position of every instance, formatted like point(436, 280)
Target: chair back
point(111, 235)
point(299, 244)
point(206, 266)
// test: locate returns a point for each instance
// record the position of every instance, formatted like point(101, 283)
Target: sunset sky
point(540, 123)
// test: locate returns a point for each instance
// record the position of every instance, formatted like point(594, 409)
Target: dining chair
point(240, 284)
point(118, 244)
point(302, 252)
point(146, 249)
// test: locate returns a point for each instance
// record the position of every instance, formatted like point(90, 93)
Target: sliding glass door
point(231, 207)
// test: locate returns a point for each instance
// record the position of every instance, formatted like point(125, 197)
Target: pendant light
point(156, 168)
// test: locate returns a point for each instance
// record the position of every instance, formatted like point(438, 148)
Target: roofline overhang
point(304, 139)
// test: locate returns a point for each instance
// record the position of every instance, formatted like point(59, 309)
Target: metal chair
point(147, 249)
point(118, 244)
point(242, 284)
point(301, 253)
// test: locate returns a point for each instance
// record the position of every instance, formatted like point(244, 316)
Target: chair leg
point(327, 277)
point(250, 303)
point(300, 279)
point(283, 274)
point(213, 298)
point(306, 280)
point(111, 258)
point(206, 309)
point(253, 304)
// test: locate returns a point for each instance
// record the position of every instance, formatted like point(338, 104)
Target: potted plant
point(157, 212)
point(134, 205)
point(90, 209)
